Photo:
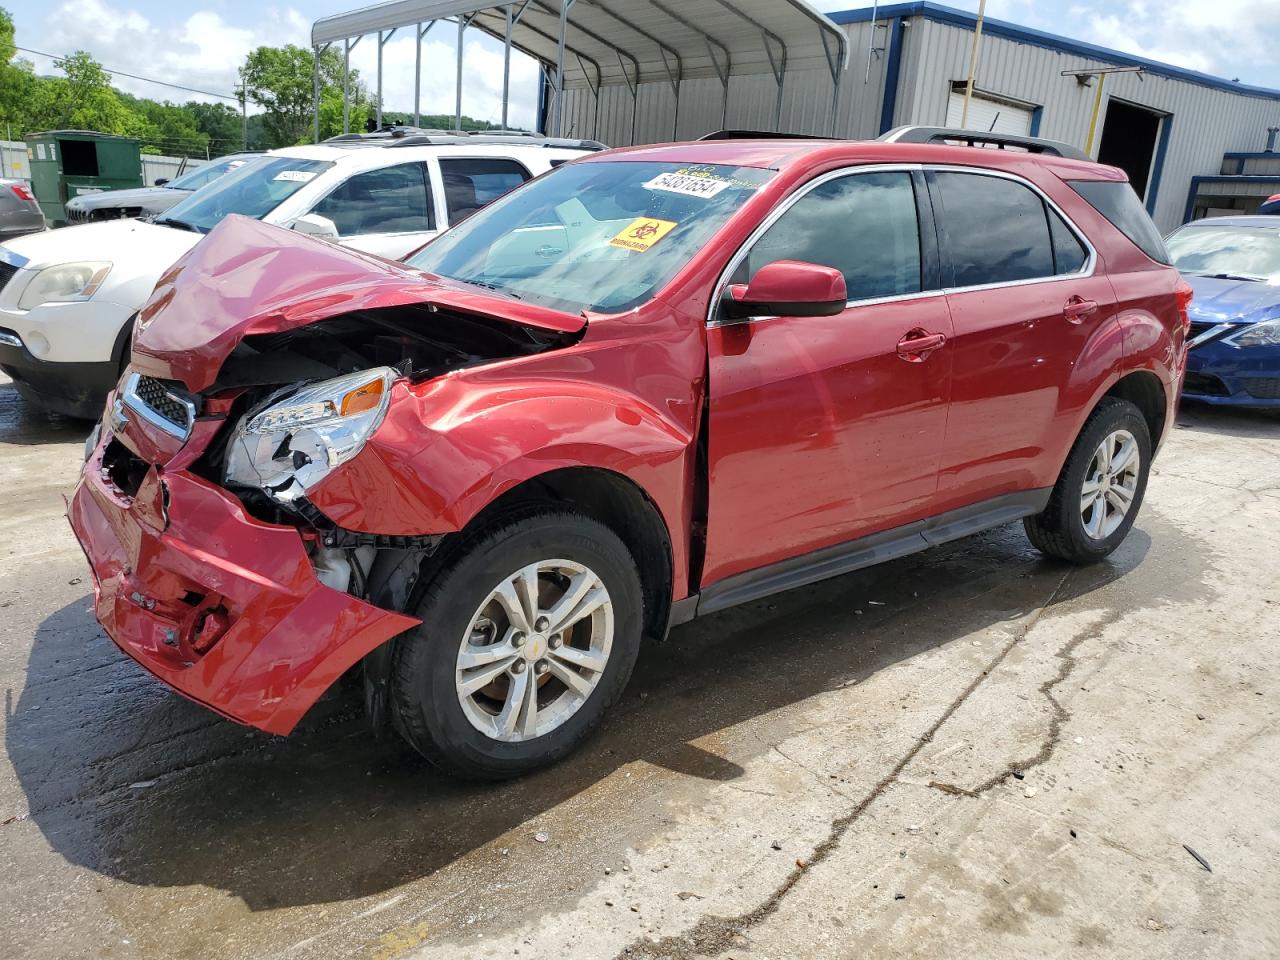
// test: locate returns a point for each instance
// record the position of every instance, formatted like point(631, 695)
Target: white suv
point(68, 297)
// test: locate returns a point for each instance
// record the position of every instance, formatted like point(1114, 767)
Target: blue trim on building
point(892, 72)
point(1162, 149)
point(1036, 116)
point(1222, 178)
point(1246, 155)
point(1010, 31)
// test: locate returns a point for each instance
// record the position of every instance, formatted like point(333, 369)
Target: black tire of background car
point(1059, 529)
point(424, 700)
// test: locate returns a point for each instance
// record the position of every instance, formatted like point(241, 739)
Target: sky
point(201, 44)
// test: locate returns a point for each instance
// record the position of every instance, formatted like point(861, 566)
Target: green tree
point(221, 123)
point(280, 80)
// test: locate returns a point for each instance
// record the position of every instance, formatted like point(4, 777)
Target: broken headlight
point(291, 445)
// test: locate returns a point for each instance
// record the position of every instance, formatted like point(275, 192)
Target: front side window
point(601, 235)
point(863, 225)
point(1227, 252)
point(472, 183)
point(253, 190)
point(388, 200)
point(997, 230)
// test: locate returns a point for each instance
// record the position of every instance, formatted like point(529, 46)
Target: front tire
point(1100, 489)
point(529, 633)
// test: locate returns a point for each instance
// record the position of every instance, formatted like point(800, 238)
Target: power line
point(134, 76)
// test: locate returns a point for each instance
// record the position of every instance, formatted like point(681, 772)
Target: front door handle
point(1077, 308)
point(918, 344)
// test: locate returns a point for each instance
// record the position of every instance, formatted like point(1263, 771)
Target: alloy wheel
point(1110, 484)
point(535, 650)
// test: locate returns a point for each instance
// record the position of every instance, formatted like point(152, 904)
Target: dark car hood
point(150, 199)
point(248, 277)
point(1231, 301)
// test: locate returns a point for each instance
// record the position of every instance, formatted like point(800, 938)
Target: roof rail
point(758, 135)
point(976, 138)
point(455, 139)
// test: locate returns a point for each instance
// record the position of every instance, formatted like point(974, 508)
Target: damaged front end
point(212, 567)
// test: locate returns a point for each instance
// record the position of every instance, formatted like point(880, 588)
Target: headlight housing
point(66, 281)
point(1264, 334)
point(290, 446)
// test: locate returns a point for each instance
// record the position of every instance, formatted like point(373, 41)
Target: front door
point(1025, 300)
point(825, 429)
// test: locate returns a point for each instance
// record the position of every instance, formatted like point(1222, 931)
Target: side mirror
point(314, 225)
point(787, 288)
point(161, 181)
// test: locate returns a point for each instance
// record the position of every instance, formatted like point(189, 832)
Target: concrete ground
point(970, 753)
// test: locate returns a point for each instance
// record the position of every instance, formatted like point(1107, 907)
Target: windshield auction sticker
point(642, 233)
point(298, 176)
point(689, 184)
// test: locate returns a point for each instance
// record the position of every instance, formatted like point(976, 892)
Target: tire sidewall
point(429, 663)
point(1121, 416)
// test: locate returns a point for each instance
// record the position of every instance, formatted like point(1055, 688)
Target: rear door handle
point(918, 344)
point(1077, 308)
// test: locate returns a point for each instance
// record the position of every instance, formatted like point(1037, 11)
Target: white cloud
point(205, 52)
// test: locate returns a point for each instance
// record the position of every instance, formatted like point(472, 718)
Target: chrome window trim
point(139, 406)
point(1087, 270)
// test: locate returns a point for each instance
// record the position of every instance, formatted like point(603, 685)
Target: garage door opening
point(989, 113)
point(1129, 136)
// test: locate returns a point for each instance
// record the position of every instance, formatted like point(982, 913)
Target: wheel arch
point(1145, 391)
point(620, 504)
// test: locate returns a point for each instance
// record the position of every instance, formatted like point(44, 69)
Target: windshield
point(253, 190)
point(206, 173)
point(1243, 253)
point(600, 236)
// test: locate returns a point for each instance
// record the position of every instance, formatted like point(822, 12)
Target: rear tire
point(1100, 489)
point(499, 680)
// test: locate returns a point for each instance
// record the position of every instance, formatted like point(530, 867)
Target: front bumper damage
point(224, 608)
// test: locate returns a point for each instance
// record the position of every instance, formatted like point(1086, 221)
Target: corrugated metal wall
point(1206, 122)
point(751, 104)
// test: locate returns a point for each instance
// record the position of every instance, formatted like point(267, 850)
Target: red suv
point(649, 385)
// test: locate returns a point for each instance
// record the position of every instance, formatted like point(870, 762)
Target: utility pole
point(973, 62)
point(244, 111)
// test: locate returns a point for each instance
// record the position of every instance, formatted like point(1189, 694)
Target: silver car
point(19, 212)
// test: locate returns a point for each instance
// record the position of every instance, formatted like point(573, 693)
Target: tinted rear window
point(996, 230)
point(1116, 201)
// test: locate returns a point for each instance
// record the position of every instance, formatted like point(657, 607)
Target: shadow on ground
point(131, 781)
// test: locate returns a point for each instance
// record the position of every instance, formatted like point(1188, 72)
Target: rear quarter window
point(1116, 201)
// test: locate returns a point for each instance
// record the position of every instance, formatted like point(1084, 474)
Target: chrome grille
point(161, 402)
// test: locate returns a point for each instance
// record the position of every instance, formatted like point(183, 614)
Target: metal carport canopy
point(595, 42)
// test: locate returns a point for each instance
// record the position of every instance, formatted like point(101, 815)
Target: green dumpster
point(65, 163)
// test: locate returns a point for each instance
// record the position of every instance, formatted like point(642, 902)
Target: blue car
point(1234, 265)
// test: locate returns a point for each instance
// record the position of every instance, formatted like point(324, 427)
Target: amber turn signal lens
point(363, 398)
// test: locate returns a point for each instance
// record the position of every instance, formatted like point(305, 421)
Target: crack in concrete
point(713, 935)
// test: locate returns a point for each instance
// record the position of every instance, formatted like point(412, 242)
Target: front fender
point(450, 447)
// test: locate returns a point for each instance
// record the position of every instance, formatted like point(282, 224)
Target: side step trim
point(854, 555)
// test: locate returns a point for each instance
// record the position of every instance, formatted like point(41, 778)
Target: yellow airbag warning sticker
point(642, 233)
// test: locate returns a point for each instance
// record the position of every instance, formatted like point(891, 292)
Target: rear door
point(1025, 299)
point(470, 183)
point(823, 429)
point(388, 211)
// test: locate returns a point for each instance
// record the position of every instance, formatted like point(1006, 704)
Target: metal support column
point(346, 85)
point(421, 32)
point(557, 119)
point(382, 42)
point(457, 104)
point(315, 92)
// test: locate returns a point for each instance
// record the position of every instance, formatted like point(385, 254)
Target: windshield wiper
point(1231, 276)
point(179, 224)
point(493, 286)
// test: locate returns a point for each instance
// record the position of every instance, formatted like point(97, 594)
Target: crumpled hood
point(128, 244)
point(150, 199)
point(1232, 301)
point(248, 277)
